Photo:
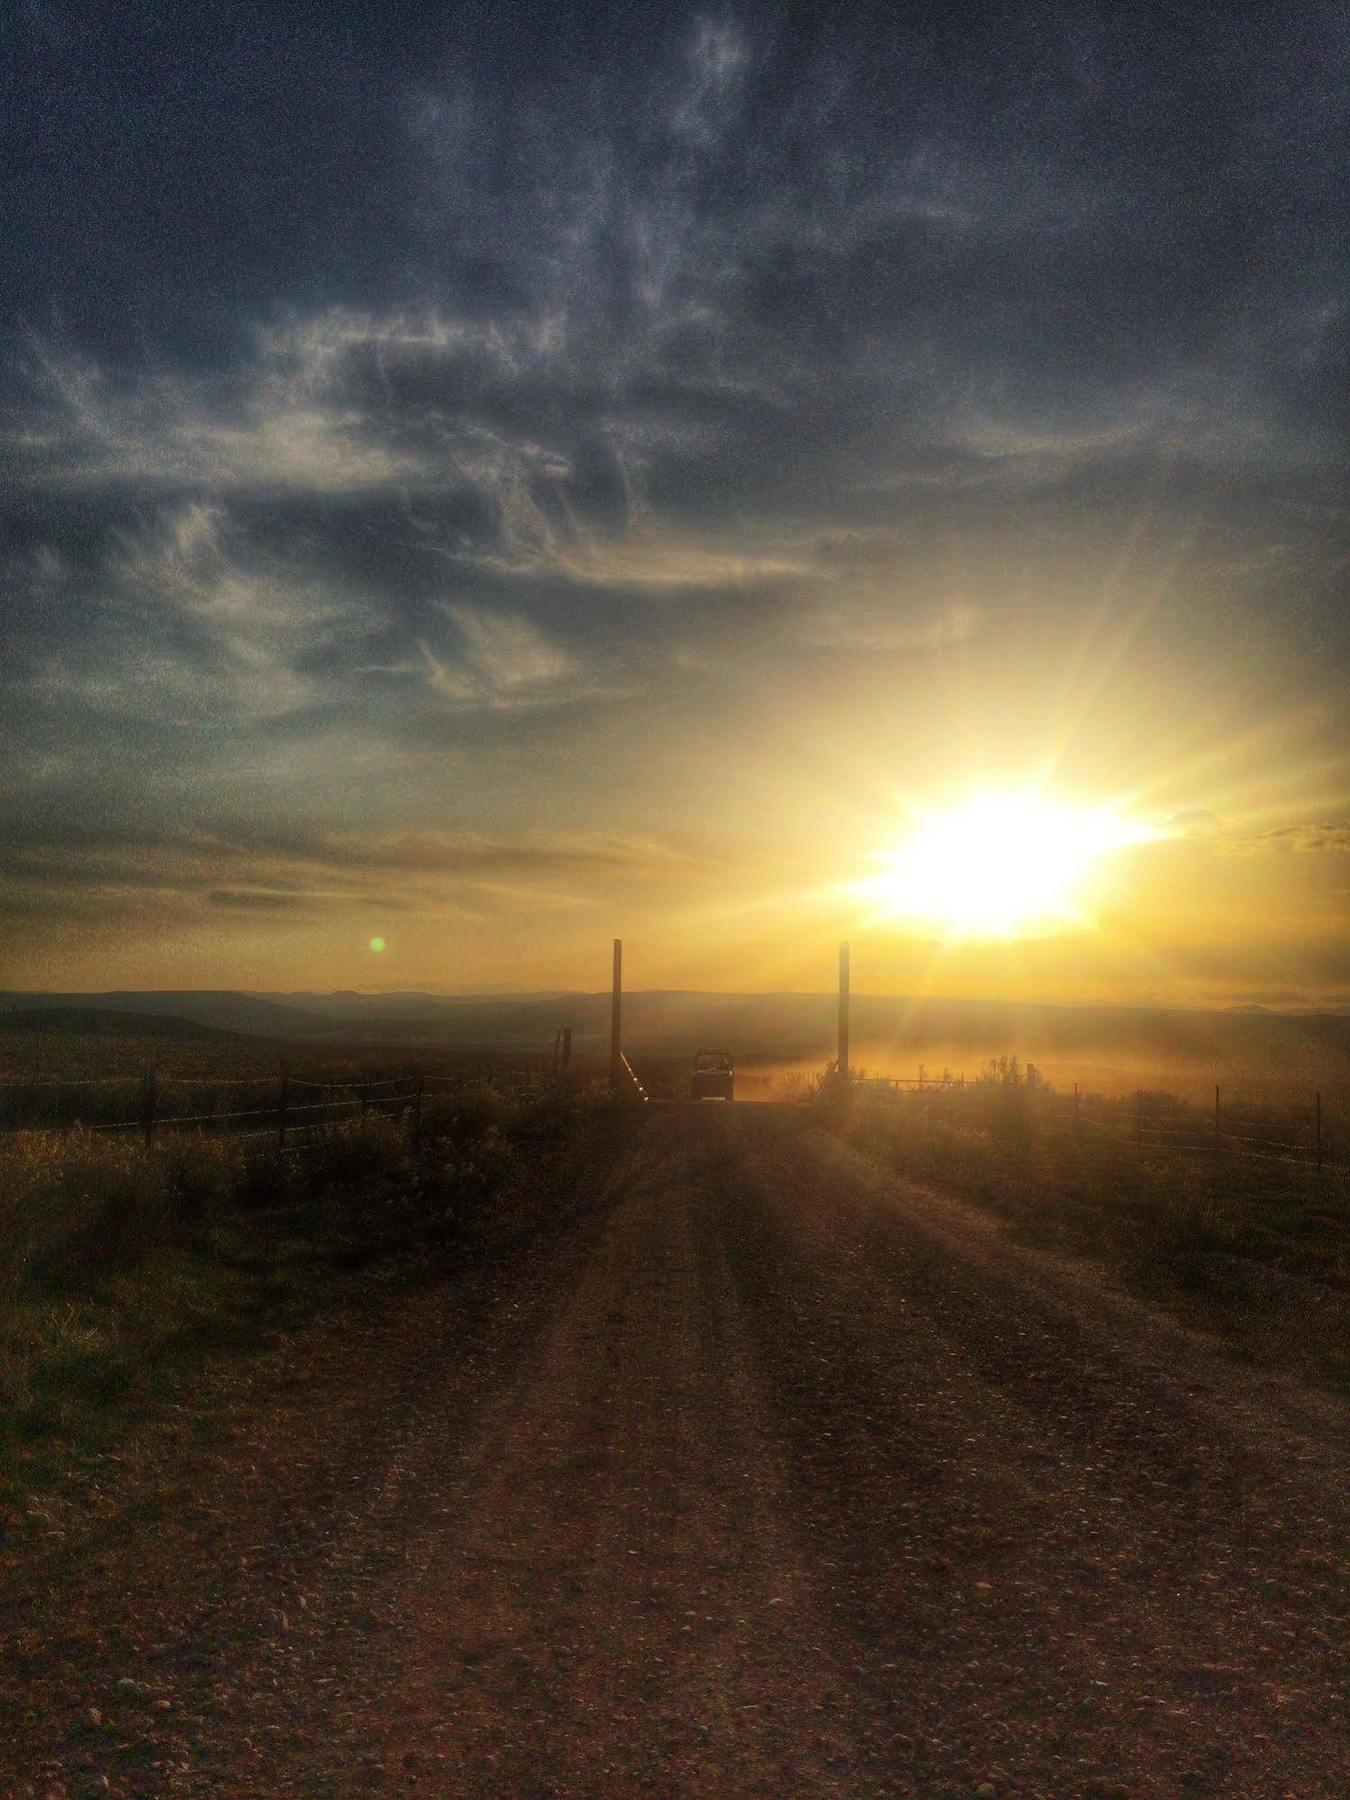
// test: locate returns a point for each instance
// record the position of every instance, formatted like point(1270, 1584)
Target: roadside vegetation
point(125, 1266)
point(1252, 1246)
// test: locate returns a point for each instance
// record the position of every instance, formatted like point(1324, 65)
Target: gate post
point(616, 1020)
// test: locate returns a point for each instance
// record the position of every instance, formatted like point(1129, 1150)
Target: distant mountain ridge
point(107, 1021)
point(221, 1009)
point(402, 1003)
point(787, 1025)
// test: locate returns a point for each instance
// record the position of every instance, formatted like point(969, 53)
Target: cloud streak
point(1302, 840)
point(453, 431)
point(92, 875)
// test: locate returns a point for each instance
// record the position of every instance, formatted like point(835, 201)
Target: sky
point(491, 478)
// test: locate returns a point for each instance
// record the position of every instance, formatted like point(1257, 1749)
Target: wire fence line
point(1310, 1134)
point(636, 1086)
point(291, 1121)
point(1150, 1119)
point(71, 1081)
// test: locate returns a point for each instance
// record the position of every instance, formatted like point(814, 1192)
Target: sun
point(1000, 865)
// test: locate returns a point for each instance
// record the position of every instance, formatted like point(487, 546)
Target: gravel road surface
point(769, 1474)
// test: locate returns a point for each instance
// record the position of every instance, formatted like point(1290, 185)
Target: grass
point(1256, 1250)
point(67, 1077)
point(124, 1270)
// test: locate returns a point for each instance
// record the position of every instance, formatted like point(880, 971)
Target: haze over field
point(1106, 1049)
point(478, 481)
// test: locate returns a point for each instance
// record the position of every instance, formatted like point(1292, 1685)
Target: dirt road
point(772, 1475)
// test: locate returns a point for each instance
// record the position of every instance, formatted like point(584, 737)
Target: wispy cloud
point(886, 628)
point(1303, 839)
point(91, 874)
point(502, 663)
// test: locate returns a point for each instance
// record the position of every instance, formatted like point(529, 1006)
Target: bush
point(545, 1118)
point(459, 1181)
point(269, 1180)
point(364, 1167)
point(351, 1154)
point(203, 1174)
point(79, 1203)
point(463, 1116)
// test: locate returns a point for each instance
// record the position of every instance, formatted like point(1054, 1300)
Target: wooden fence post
point(417, 1112)
point(616, 1020)
point(1216, 1115)
point(1317, 1114)
point(1138, 1118)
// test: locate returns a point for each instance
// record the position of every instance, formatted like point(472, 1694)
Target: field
point(380, 1403)
point(130, 1258)
point(165, 1195)
point(1236, 1227)
point(712, 1449)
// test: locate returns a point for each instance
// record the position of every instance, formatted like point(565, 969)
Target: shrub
point(364, 1167)
point(78, 1203)
point(269, 1180)
point(544, 1118)
point(203, 1174)
point(462, 1116)
point(354, 1152)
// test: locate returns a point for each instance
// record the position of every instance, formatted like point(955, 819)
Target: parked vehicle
point(714, 1076)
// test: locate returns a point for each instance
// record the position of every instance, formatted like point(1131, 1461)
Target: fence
point(901, 1084)
point(299, 1106)
point(1300, 1132)
point(633, 1086)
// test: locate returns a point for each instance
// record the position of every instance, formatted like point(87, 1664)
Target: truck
point(714, 1076)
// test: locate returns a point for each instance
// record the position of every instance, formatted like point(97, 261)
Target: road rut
point(775, 1474)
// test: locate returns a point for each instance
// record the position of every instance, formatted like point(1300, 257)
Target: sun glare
point(1000, 866)
point(377, 945)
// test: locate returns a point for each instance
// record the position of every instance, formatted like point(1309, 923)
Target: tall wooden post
point(616, 1019)
point(842, 1063)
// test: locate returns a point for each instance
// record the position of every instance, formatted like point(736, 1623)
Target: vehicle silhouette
point(714, 1076)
